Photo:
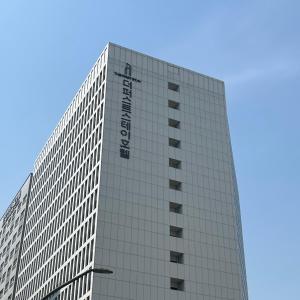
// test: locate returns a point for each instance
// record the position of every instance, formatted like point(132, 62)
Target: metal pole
point(95, 270)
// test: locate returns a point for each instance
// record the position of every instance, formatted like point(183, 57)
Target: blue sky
point(47, 48)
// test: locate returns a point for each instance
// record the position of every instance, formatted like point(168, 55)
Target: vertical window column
point(174, 207)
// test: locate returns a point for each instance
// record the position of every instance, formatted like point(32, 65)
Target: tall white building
point(137, 177)
point(12, 225)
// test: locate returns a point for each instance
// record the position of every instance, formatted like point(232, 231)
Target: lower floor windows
point(176, 257)
point(176, 231)
point(177, 284)
point(175, 185)
point(175, 207)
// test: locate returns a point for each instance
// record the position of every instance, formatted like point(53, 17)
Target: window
point(173, 104)
point(176, 257)
point(173, 86)
point(175, 207)
point(176, 231)
point(14, 263)
point(177, 284)
point(14, 237)
point(174, 143)
point(19, 230)
point(12, 281)
point(175, 185)
point(174, 123)
point(174, 163)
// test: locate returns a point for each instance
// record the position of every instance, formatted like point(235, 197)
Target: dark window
point(175, 185)
point(173, 104)
point(104, 69)
point(174, 123)
point(175, 207)
point(176, 257)
point(173, 86)
point(177, 284)
point(176, 231)
point(174, 163)
point(174, 143)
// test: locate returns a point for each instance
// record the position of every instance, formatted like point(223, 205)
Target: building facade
point(137, 177)
point(12, 226)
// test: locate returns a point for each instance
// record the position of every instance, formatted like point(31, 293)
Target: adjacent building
point(137, 177)
point(12, 226)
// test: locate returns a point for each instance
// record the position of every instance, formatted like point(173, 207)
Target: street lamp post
point(95, 270)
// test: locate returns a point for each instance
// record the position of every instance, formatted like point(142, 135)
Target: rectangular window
point(174, 163)
point(177, 284)
point(176, 257)
point(173, 86)
point(175, 185)
point(174, 123)
point(174, 143)
point(173, 104)
point(175, 207)
point(176, 231)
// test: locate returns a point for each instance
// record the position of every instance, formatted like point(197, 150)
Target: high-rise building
point(137, 177)
point(12, 225)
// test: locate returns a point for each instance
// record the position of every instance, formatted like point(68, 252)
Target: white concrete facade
point(137, 177)
point(59, 236)
point(12, 225)
point(133, 225)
